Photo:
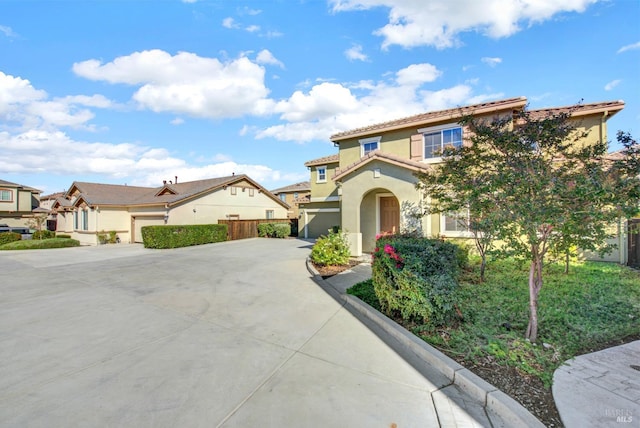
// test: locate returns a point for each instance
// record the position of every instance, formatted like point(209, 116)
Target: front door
point(389, 215)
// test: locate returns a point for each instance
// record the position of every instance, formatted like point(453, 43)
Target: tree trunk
point(535, 284)
point(483, 264)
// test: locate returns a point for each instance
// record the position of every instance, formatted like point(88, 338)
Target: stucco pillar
point(355, 243)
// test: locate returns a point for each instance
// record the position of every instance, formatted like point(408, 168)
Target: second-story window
point(322, 174)
point(283, 197)
point(435, 141)
point(368, 145)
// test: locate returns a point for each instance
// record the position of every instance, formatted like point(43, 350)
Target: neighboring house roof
point(324, 160)
point(433, 116)
point(303, 186)
point(96, 194)
point(4, 183)
point(610, 107)
point(52, 196)
point(382, 157)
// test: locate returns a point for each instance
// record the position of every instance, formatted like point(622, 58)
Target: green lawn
point(596, 304)
point(38, 244)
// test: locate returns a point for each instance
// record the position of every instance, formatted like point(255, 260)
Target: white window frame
point(440, 128)
point(368, 141)
point(85, 219)
point(324, 169)
point(233, 190)
point(270, 214)
point(454, 233)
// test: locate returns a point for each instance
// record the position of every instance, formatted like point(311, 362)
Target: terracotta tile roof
point(298, 187)
point(323, 161)
point(384, 157)
point(429, 117)
point(612, 107)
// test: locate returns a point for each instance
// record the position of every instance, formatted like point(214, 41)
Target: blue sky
point(135, 92)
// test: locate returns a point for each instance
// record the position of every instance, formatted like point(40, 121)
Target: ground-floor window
point(270, 214)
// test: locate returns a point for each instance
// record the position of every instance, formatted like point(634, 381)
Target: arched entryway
point(379, 213)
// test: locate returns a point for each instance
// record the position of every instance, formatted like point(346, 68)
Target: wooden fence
point(243, 229)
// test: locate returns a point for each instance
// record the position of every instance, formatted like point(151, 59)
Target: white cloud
point(439, 22)
point(609, 86)
point(229, 23)
point(7, 31)
point(417, 74)
point(40, 151)
point(491, 61)
point(252, 28)
point(186, 83)
point(630, 47)
point(24, 107)
point(328, 107)
point(266, 57)
point(177, 121)
point(354, 53)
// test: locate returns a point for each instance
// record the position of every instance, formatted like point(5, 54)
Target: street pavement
point(234, 334)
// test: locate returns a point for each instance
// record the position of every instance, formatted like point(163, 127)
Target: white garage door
point(140, 221)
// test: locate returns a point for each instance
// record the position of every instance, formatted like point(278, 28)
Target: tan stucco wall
point(218, 205)
point(359, 203)
point(323, 190)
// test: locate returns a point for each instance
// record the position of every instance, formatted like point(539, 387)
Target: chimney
point(176, 179)
point(164, 182)
point(233, 173)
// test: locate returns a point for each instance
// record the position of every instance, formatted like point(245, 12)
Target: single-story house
point(88, 209)
point(369, 185)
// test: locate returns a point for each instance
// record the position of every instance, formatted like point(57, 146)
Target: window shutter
point(417, 149)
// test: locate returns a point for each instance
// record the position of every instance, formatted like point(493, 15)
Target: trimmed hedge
point(175, 236)
point(417, 277)
point(6, 237)
point(274, 230)
point(41, 244)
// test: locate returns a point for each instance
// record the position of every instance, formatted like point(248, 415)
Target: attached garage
point(138, 222)
point(319, 221)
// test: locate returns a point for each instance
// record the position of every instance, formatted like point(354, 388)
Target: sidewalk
point(468, 400)
point(601, 389)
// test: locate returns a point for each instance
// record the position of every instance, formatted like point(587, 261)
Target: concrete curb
point(495, 401)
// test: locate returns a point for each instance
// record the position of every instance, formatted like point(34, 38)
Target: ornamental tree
point(538, 187)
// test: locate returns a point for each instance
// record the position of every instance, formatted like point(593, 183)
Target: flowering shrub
point(331, 250)
point(417, 277)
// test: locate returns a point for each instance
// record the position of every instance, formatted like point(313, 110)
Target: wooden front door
point(389, 215)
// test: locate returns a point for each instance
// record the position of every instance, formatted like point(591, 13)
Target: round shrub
point(416, 277)
point(43, 234)
point(331, 250)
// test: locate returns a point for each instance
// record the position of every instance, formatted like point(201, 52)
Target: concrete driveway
point(229, 334)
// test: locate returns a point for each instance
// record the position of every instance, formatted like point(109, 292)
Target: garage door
point(320, 222)
point(140, 221)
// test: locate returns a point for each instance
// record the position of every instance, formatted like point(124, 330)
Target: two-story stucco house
point(18, 204)
point(373, 186)
point(87, 209)
point(322, 211)
point(293, 195)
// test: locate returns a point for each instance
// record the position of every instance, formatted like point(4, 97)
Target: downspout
point(603, 126)
point(306, 225)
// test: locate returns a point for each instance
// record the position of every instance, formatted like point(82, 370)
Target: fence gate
point(634, 243)
point(243, 229)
